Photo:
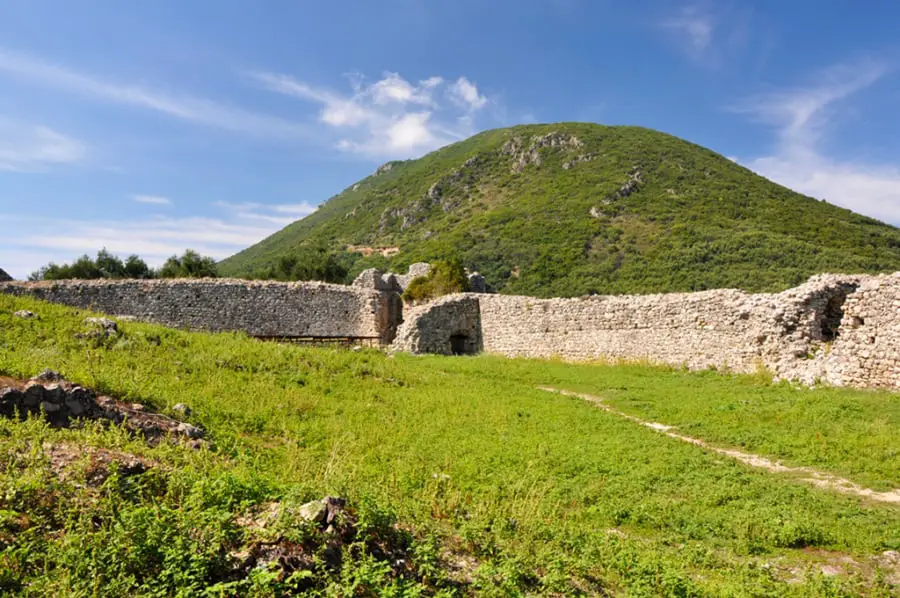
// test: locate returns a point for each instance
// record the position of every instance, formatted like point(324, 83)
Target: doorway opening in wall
point(460, 344)
point(834, 313)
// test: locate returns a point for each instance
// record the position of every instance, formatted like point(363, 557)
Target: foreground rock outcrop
point(62, 404)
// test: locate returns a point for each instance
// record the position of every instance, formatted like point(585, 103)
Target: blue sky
point(151, 127)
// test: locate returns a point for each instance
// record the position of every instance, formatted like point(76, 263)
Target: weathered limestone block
point(415, 271)
point(373, 278)
point(450, 325)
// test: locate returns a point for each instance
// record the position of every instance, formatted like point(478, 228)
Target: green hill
point(570, 209)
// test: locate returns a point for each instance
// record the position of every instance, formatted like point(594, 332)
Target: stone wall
point(866, 352)
point(260, 308)
point(448, 326)
point(843, 330)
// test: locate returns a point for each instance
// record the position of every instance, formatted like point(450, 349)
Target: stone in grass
point(34, 395)
point(182, 409)
point(48, 407)
point(48, 375)
point(24, 314)
point(109, 327)
point(315, 511)
point(192, 432)
point(322, 511)
point(10, 401)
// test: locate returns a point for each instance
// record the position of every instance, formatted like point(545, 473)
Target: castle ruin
point(842, 330)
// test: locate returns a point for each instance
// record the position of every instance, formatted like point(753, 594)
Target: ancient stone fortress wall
point(260, 308)
point(866, 352)
point(843, 330)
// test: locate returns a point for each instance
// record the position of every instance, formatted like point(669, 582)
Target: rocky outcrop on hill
point(523, 155)
point(4, 277)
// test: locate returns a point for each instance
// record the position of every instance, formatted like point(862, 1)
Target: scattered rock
point(315, 511)
point(582, 158)
point(48, 375)
point(630, 186)
point(24, 314)
point(63, 459)
point(335, 528)
point(107, 326)
point(61, 402)
point(522, 156)
point(386, 167)
point(182, 409)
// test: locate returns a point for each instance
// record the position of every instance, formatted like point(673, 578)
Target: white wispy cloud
point(156, 200)
point(44, 239)
point(391, 117)
point(464, 93)
point(200, 111)
point(694, 26)
point(712, 34)
point(25, 148)
point(279, 215)
point(802, 118)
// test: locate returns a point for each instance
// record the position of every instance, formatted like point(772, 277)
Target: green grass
point(548, 493)
point(696, 221)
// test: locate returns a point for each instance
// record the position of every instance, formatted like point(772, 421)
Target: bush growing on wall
point(445, 277)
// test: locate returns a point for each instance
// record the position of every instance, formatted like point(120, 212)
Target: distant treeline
point(106, 265)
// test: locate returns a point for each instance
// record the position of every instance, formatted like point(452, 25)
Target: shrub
point(190, 265)
point(443, 279)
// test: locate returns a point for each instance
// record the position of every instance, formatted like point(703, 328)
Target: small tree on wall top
point(445, 278)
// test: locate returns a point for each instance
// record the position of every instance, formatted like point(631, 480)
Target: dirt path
point(817, 478)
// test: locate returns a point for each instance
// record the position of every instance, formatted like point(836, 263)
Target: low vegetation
point(620, 210)
point(106, 265)
point(444, 278)
point(461, 477)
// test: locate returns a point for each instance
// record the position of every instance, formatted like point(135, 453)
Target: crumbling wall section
point(865, 352)
point(816, 331)
point(450, 325)
point(260, 308)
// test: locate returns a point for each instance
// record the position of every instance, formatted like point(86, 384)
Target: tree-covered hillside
point(570, 209)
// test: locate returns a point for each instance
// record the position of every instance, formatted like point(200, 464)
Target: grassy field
point(538, 493)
